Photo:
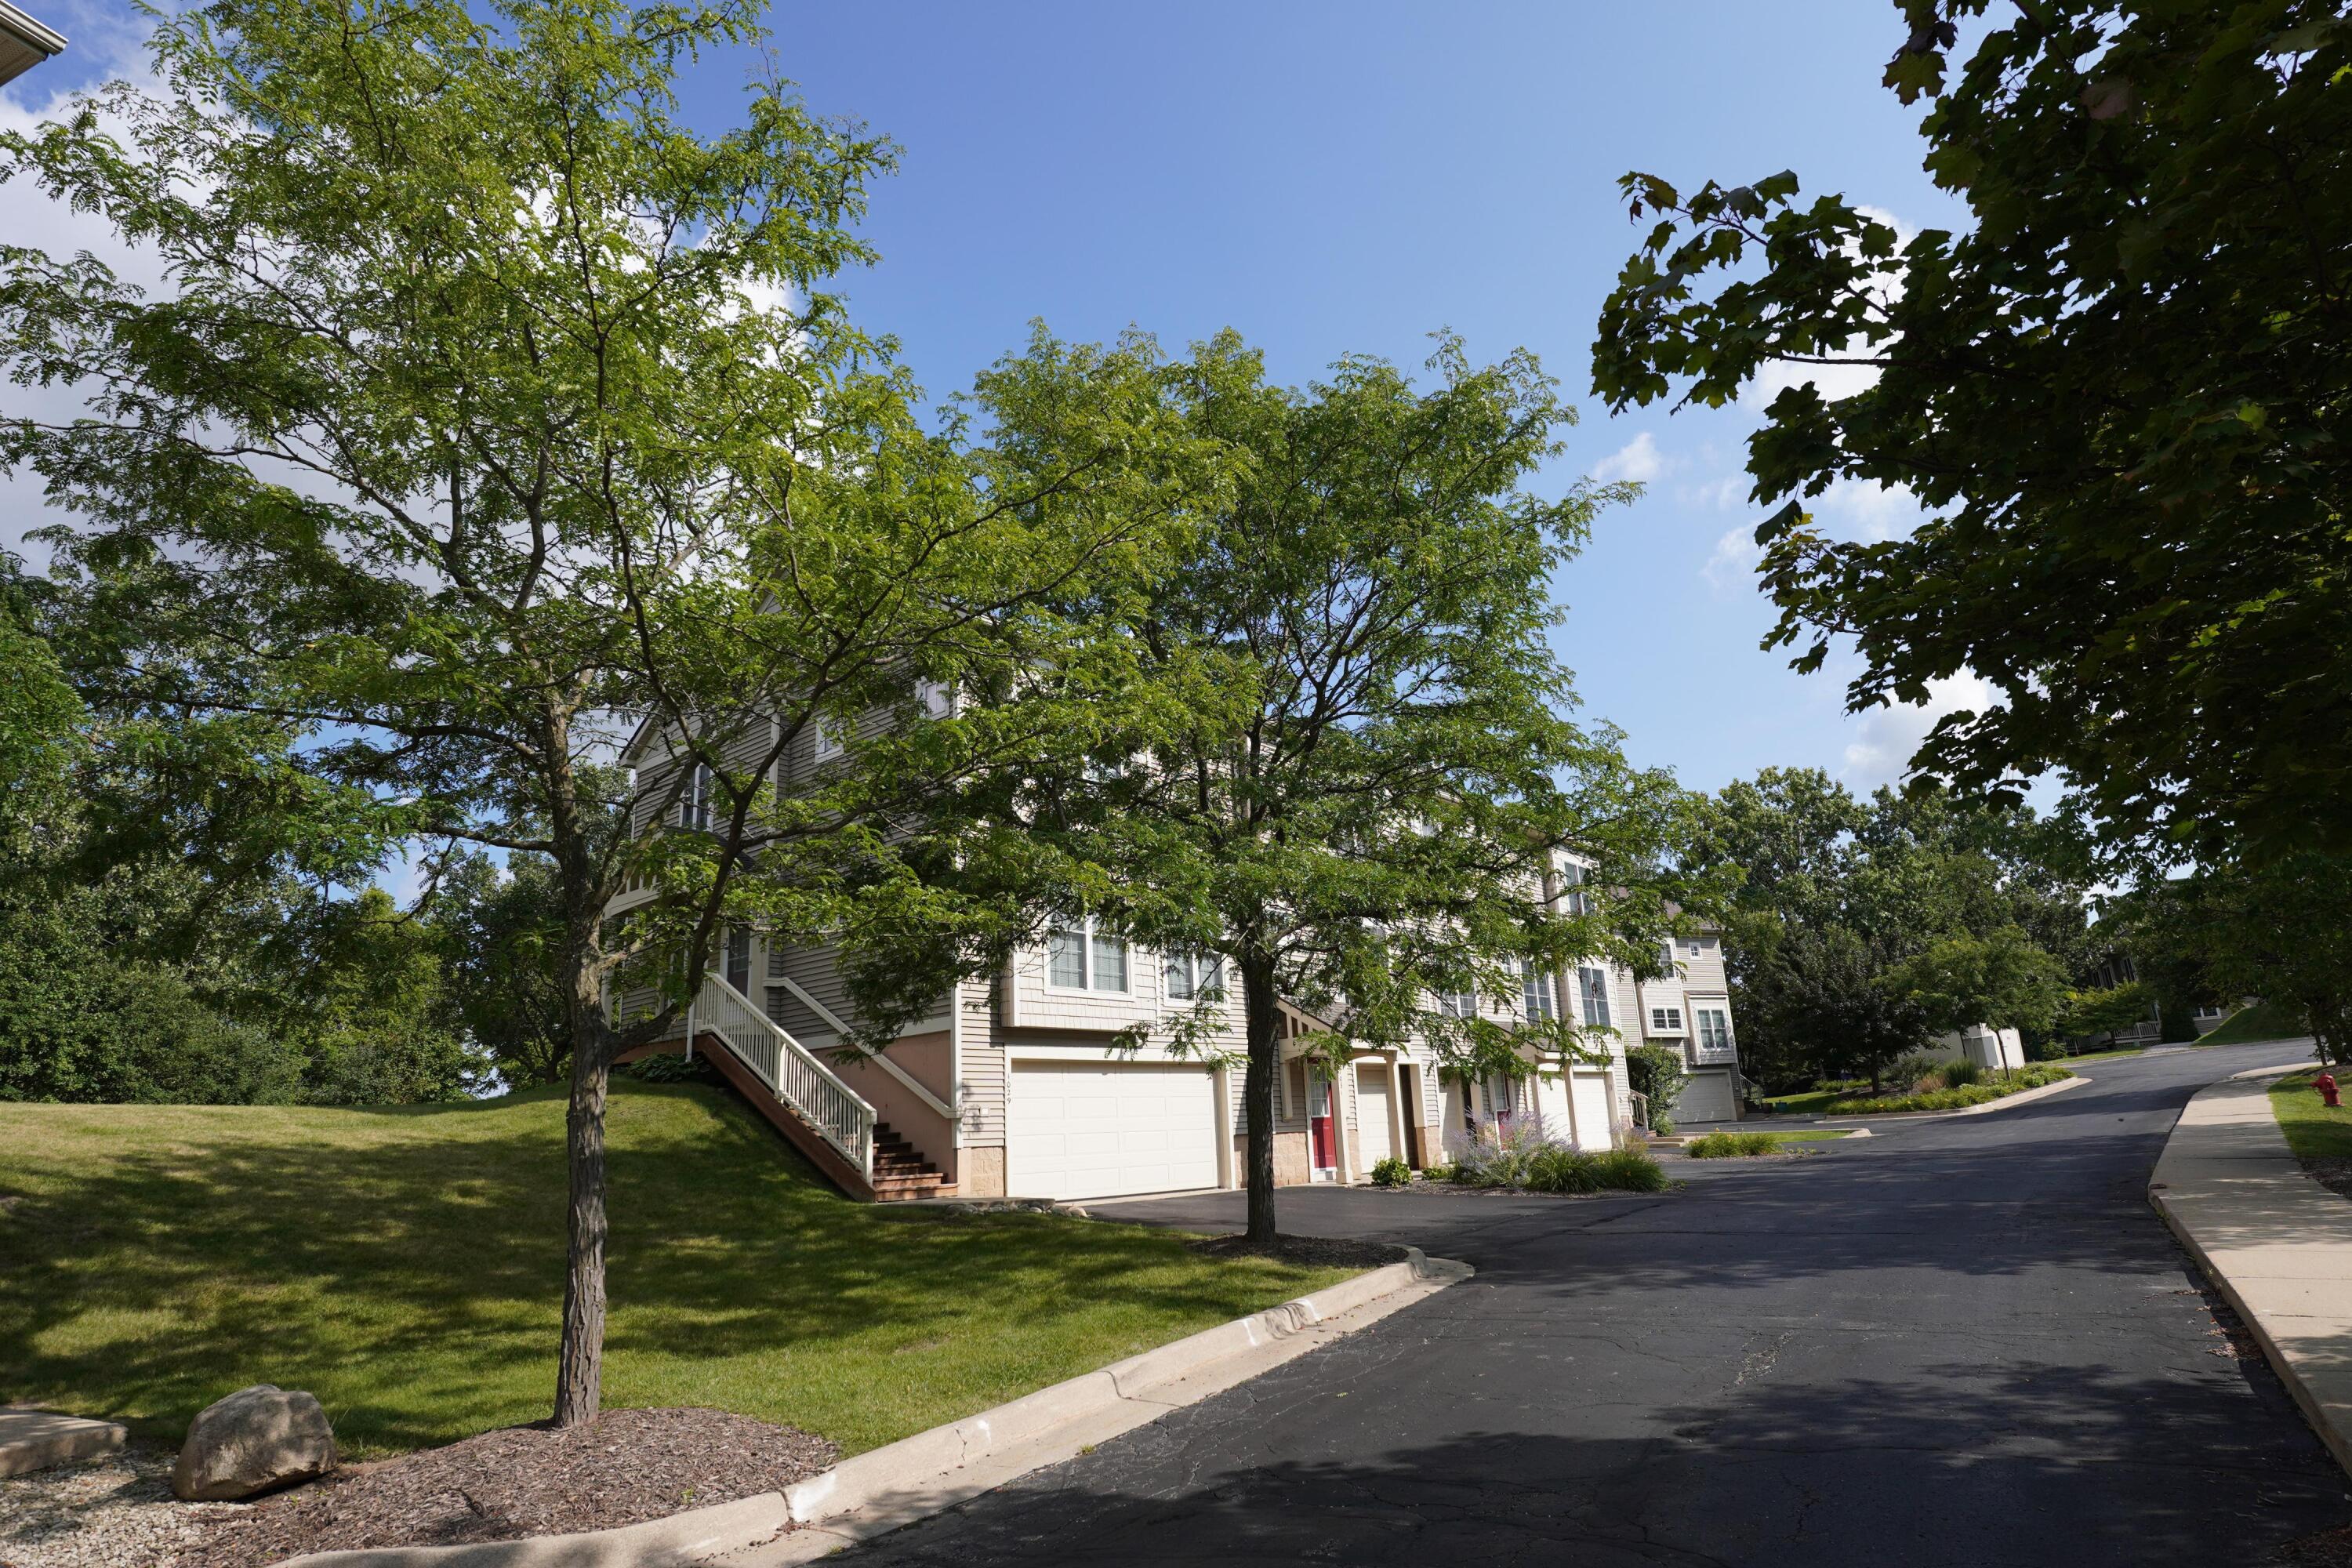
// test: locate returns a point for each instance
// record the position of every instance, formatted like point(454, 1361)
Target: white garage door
point(1372, 1141)
point(1595, 1126)
point(1707, 1097)
point(1094, 1130)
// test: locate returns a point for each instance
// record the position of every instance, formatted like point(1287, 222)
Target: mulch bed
point(1314, 1251)
point(2336, 1175)
point(626, 1467)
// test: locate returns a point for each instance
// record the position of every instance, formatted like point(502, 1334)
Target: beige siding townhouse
point(1015, 1085)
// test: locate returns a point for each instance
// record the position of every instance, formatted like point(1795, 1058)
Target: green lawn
point(2115, 1055)
point(406, 1265)
point(1812, 1102)
point(1808, 1134)
point(2313, 1130)
point(2263, 1021)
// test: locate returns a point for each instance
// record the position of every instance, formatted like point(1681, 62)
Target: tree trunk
point(580, 1366)
point(1265, 1025)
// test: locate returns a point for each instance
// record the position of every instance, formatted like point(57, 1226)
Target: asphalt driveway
point(1965, 1342)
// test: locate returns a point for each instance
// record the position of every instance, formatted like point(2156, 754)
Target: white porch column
point(1343, 1110)
point(1396, 1109)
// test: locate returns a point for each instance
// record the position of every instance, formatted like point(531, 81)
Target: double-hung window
point(1665, 1020)
point(1458, 1003)
point(1536, 989)
point(1080, 958)
point(1714, 1031)
point(694, 805)
point(1573, 899)
point(738, 958)
point(825, 740)
point(1192, 975)
point(1592, 987)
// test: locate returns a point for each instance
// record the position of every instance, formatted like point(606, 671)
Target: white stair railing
point(786, 1068)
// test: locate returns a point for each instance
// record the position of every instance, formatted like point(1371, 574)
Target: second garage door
point(1094, 1130)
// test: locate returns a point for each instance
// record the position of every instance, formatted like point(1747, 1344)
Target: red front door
point(1318, 1124)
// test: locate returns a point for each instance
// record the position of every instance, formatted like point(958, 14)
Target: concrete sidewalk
point(2276, 1243)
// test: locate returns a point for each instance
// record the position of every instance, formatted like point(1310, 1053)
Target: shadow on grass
point(407, 1264)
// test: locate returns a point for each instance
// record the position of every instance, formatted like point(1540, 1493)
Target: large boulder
point(255, 1440)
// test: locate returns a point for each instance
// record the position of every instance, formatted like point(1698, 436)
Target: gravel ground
point(627, 1466)
point(112, 1512)
point(630, 1466)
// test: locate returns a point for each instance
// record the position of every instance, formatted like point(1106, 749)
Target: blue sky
point(1347, 178)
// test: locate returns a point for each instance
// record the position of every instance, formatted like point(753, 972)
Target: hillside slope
point(406, 1265)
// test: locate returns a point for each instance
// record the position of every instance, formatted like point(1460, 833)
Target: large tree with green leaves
point(2120, 394)
point(1862, 928)
point(1347, 759)
point(493, 414)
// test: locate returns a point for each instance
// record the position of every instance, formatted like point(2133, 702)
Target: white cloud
point(1639, 461)
point(1732, 566)
point(1873, 511)
point(1885, 738)
point(1728, 493)
point(1835, 381)
point(102, 43)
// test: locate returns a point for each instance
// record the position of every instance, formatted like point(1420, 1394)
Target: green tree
point(494, 415)
point(1346, 761)
point(2273, 929)
point(1862, 928)
point(501, 936)
point(1997, 977)
point(2120, 394)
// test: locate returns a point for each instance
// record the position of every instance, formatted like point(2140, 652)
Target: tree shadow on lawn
point(1956, 1464)
point(412, 1276)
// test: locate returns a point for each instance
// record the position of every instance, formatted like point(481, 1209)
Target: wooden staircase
point(900, 1174)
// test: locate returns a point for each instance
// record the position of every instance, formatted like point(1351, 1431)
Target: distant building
point(23, 43)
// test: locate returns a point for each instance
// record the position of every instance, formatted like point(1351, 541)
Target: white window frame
point(1593, 992)
point(1457, 1004)
point(1667, 1023)
point(1188, 971)
point(1573, 898)
point(1538, 995)
point(1090, 942)
point(823, 747)
point(1717, 1044)
point(935, 697)
point(694, 801)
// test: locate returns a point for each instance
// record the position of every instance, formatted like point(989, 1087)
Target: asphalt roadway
point(1967, 1341)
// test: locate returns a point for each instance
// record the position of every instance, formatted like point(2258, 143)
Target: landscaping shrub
point(1962, 1073)
point(1995, 1085)
point(1496, 1153)
point(1390, 1173)
point(1731, 1145)
point(1443, 1172)
point(1628, 1170)
point(1556, 1168)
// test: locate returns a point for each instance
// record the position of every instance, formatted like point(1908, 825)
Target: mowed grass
point(2313, 1130)
point(406, 1265)
point(2263, 1021)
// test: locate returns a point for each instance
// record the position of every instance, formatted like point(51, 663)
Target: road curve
point(1964, 1343)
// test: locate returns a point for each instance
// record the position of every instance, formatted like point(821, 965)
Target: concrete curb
point(681, 1540)
point(2276, 1244)
point(887, 1488)
point(2023, 1097)
point(35, 1440)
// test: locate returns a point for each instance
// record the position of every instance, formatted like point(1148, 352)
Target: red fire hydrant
point(2326, 1084)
